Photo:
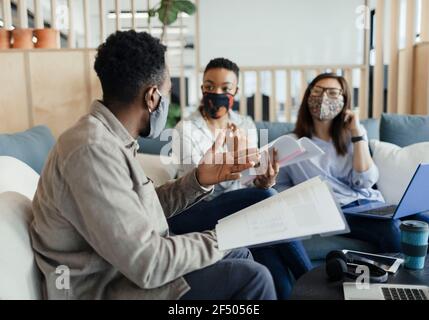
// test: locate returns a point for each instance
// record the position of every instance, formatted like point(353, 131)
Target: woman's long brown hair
point(338, 132)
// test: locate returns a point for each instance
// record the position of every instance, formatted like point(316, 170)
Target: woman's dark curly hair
point(127, 62)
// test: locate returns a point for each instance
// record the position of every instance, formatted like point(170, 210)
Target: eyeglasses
point(318, 91)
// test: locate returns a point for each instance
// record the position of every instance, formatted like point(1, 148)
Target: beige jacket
point(98, 217)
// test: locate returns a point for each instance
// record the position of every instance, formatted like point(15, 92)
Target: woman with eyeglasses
point(325, 117)
point(191, 140)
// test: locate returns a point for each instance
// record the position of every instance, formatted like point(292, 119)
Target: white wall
point(281, 32)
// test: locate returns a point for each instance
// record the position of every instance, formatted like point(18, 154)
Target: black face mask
point(213, 102)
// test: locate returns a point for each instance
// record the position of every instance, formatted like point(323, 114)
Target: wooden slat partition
point(49, 87)
point(364, 73)
point(86, 21)
point(13, 101)
point(7, 14)
point(305, 67)
point(197, 2)
point(22, 14)
point(243, 98)
point(405, 91)
point(182, 69)
point(392, 98)
point(197, 52)
point(258, 98)
point(71, 35)
point(348, 75)
point(54, 14)
point(38, 14)
point(273, 98)
point(134, 13)
point(424, 21)
point(288, 97)
point(363, 93)
point(102, 9)
point(378, 98)
point(421, 79)
point(118, 14)
point(303, 84)
point(304, 73)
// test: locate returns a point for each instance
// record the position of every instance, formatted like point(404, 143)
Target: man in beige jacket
point(100, 229)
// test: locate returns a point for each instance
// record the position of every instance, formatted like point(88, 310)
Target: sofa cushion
point(372, 127)
point(397, 166)
point(153, 146)
point(404, 130)
point(19, 275)
point(31, 146)
point(16, 176)
point(158, 168)
point(275, 129)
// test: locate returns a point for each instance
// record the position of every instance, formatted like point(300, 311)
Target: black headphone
point(337, 267)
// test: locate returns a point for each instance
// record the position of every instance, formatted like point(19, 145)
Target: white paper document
point(289, 151)
point(305, 210)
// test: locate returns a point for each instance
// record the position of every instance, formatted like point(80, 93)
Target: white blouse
point(192, 138)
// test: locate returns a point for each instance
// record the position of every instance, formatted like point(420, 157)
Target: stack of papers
point(300, 212)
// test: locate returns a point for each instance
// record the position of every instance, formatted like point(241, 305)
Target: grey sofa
point(32, 148)
point(399, 129)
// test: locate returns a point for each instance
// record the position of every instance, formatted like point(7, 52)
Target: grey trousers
point(235, 277)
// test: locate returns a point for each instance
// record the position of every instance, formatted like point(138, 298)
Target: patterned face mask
point(325, 108)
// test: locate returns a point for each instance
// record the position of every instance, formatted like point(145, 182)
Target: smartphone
point(387, 263)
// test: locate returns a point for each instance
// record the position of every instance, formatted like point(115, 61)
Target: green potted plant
point(174, 115)
point(168, 11)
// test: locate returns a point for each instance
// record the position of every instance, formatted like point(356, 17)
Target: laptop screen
point(416, 197)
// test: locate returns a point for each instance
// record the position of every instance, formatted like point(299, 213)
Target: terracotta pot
point(46, 38)
point(22, 39)
point(5, 38)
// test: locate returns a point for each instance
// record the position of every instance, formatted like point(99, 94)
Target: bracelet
point(357, 139)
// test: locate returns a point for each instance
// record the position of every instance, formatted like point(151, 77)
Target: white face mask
point(158, 118)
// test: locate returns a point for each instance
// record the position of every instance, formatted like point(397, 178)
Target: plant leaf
point(167, 17)
point(151, 12)
point(185, 6)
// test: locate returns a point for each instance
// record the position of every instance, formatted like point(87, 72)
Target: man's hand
point(217, 167)
point(267, 180)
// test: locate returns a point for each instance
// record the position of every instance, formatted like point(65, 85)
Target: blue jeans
point(279, 258)
point(383, 233)
point(235, 277)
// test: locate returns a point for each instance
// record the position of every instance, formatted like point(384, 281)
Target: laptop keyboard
point(403, 294)
point(383, 211)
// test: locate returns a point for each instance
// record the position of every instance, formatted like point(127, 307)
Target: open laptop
point(385, 292)
point(414, 200)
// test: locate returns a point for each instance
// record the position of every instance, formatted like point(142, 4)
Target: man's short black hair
point(223, 63)
point(127, 62)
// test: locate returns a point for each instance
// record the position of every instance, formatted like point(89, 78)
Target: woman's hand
point(268, 179)
point(362, 160)
point(217, 167)
point(351, 121)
